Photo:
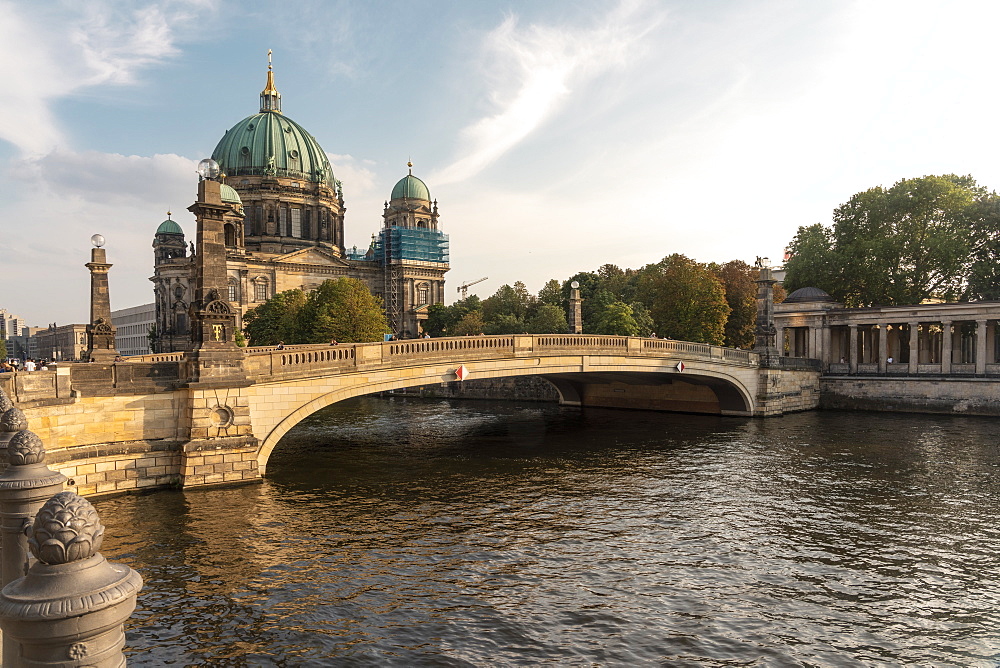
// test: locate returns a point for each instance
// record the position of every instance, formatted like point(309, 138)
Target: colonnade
point(943, 346)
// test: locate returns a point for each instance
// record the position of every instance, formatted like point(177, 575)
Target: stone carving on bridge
point(222, 416)
point(218, 307)
point(102, 326)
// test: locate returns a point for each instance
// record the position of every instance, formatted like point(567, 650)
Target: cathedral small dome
point(169, 227)
point(412, 188)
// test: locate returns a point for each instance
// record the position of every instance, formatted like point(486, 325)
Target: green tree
point(547, 319)
point(897, 245)
point(441, 319)
point(741, 295)
point(551, 293)
point(643, 318)
point(504, 323)
point(617, 318)
point(471, 324)
point(513, 301)
point(275, 320)
point(984, 256)
point(686, 300)
point(3, 348)
point(343, 309)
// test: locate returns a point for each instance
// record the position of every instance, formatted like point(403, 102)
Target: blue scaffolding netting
point(412, 244)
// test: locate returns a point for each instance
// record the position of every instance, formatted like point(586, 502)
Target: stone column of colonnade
point(883, 346)
point(980, 347)
point(852, 356)
point(946, 346)
point(914, 349)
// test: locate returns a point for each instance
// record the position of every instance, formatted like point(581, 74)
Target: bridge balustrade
point(299, 360)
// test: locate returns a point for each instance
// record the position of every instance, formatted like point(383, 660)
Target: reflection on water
point(408, 532)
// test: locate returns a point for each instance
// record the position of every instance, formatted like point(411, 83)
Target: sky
point(557, 136)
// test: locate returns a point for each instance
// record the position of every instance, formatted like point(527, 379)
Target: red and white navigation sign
point(680, 366)
point(461, 372)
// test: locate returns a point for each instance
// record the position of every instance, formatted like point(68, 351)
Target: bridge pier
point(222, 447)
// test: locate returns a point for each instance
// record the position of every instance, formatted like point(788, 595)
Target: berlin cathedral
point(285, 230)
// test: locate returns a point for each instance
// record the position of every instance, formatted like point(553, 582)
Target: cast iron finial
point(67, 528)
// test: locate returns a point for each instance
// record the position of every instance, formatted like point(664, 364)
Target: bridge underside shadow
point(651, 391)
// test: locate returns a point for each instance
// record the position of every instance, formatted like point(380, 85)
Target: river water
point(407, 532)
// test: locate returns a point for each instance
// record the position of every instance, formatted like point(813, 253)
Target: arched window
point(230, 235)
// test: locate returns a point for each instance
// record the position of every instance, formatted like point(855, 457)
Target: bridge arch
point(290, 402)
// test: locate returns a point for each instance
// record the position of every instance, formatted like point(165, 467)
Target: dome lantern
point(270, 98)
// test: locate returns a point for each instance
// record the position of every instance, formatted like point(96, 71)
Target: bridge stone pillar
point(222, 446)
point(914, 349)
point(947, 341)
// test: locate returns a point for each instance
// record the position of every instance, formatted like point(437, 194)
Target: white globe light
point(575, 284)
point(208, 168)
point(97, 240)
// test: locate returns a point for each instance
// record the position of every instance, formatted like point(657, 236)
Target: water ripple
point(405, 533)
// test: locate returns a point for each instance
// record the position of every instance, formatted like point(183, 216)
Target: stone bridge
point(144, 423)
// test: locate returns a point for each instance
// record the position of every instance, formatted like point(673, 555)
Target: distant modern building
point(12, 331)
point(284, 229)
point(132, 328)
point(61, 342)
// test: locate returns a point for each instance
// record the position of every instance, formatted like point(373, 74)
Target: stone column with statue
point(575, 309)
point(765, 333)
point(100, 331)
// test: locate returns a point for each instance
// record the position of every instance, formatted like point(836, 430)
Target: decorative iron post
point(575, 309)
point(70, 609)
point(24, 487)
point(765, 332)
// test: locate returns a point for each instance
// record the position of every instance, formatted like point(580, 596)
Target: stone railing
point(304, 360)
point(156, 357)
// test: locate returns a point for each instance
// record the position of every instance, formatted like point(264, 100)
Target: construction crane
point(464, 287)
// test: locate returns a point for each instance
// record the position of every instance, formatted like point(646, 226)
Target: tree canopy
point(933, 236)
point(687, 301)
point(342, 309)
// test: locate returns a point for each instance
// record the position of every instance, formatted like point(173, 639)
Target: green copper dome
point(412, 188)
point(169, 227)
point(271, 144)
point(229, 194)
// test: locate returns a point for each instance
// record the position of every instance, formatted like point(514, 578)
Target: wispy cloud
point(355, 173)
point(534, 71)
point(49, 57)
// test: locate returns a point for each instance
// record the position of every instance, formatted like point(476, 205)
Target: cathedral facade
point(284, 229)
